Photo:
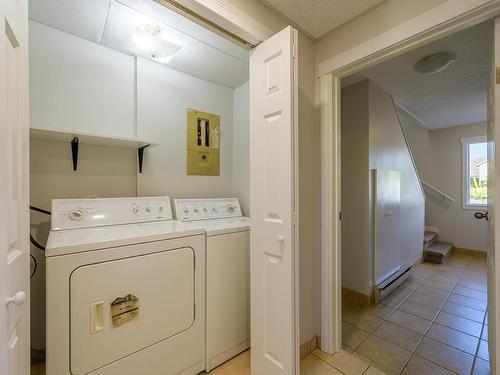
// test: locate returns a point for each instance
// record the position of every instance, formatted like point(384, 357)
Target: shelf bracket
point(74, 152)
point(140, 154)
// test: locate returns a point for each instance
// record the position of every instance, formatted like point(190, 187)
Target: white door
point(493, 193)
point(14, 189)
point(273, 193)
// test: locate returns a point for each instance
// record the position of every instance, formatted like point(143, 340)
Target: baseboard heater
point(383, 289)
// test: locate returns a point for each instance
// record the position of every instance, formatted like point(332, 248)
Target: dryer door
point(123, 306)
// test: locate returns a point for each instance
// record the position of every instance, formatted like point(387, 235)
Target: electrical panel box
point(203, 143)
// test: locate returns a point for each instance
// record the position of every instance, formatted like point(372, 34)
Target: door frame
point(447, 18)
point(223, 18)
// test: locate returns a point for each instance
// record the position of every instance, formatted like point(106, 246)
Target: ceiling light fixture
point(434, 63)
point(147, 42)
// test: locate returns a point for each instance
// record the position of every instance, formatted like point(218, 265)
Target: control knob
point(78, 214)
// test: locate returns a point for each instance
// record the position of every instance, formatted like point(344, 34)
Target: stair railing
point(422, 191)
point(440, 192)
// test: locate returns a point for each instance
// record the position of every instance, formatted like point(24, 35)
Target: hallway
point(434, 323)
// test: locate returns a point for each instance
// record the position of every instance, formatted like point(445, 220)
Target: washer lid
point(223, 226)
point(88, 239)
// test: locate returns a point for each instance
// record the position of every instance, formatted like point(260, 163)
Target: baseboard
point(473, 252)
point(385, 288)
point(357, 298)
point(418, 261)
point(309, 346)
point(216, 360)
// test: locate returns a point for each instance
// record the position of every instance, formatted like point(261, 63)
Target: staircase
point(434, 250)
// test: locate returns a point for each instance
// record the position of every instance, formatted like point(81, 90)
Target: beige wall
point(76, 84)
point(372, 139)
point(163, 95)
point(438, 155)
point(382, 18)
point(241, 146)
point(356, 255)
point(309, 195)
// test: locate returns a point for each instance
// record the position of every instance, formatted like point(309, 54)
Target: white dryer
point(227, 274)
point(125, 289)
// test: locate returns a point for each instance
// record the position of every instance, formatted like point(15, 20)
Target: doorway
point(461, 258)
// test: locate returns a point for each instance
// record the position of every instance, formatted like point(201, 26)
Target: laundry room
point(140, 141)
point(129, 98)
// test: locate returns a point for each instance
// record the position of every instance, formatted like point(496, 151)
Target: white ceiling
point(317, 17)
point(455, 96)
point(111, 23)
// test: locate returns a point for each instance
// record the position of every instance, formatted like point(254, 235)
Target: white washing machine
point(227, 274)
point(125, 289)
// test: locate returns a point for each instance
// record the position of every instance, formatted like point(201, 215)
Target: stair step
point(437, 252)
point(429, 238)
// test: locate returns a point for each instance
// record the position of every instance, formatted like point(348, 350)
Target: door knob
point(481, 215)
point(17, 299)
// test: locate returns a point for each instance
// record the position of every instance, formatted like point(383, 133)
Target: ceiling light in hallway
point(434, 63)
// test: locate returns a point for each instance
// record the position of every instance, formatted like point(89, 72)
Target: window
point(475, 173)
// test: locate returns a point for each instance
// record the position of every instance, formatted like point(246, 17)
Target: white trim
point(447, 18)
point(437, 22)
point(296, 197)
point(469, 140)
point(330, 227)
point(465, 142)
point(228, 17)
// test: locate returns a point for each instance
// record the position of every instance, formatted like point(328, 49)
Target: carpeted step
point(429, 238)
point(437, 252)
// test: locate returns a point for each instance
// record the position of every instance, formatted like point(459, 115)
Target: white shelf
point(88, 138)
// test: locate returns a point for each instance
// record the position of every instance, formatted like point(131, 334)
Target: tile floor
point(316, 363)
point(434, 323)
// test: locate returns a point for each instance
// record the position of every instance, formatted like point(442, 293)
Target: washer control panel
point(96, 212)
point(203, 209)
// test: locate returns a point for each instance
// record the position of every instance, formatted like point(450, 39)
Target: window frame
point(466, 142)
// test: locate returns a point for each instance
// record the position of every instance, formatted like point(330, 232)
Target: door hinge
point(340, 215)
point(293, 51)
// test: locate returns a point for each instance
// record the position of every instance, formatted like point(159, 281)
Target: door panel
point(110, 304)
point(14, 245)
point(272, 186)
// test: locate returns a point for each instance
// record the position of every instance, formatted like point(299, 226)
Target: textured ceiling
point(455, 96)
point(317, 17)
point(112, 23)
